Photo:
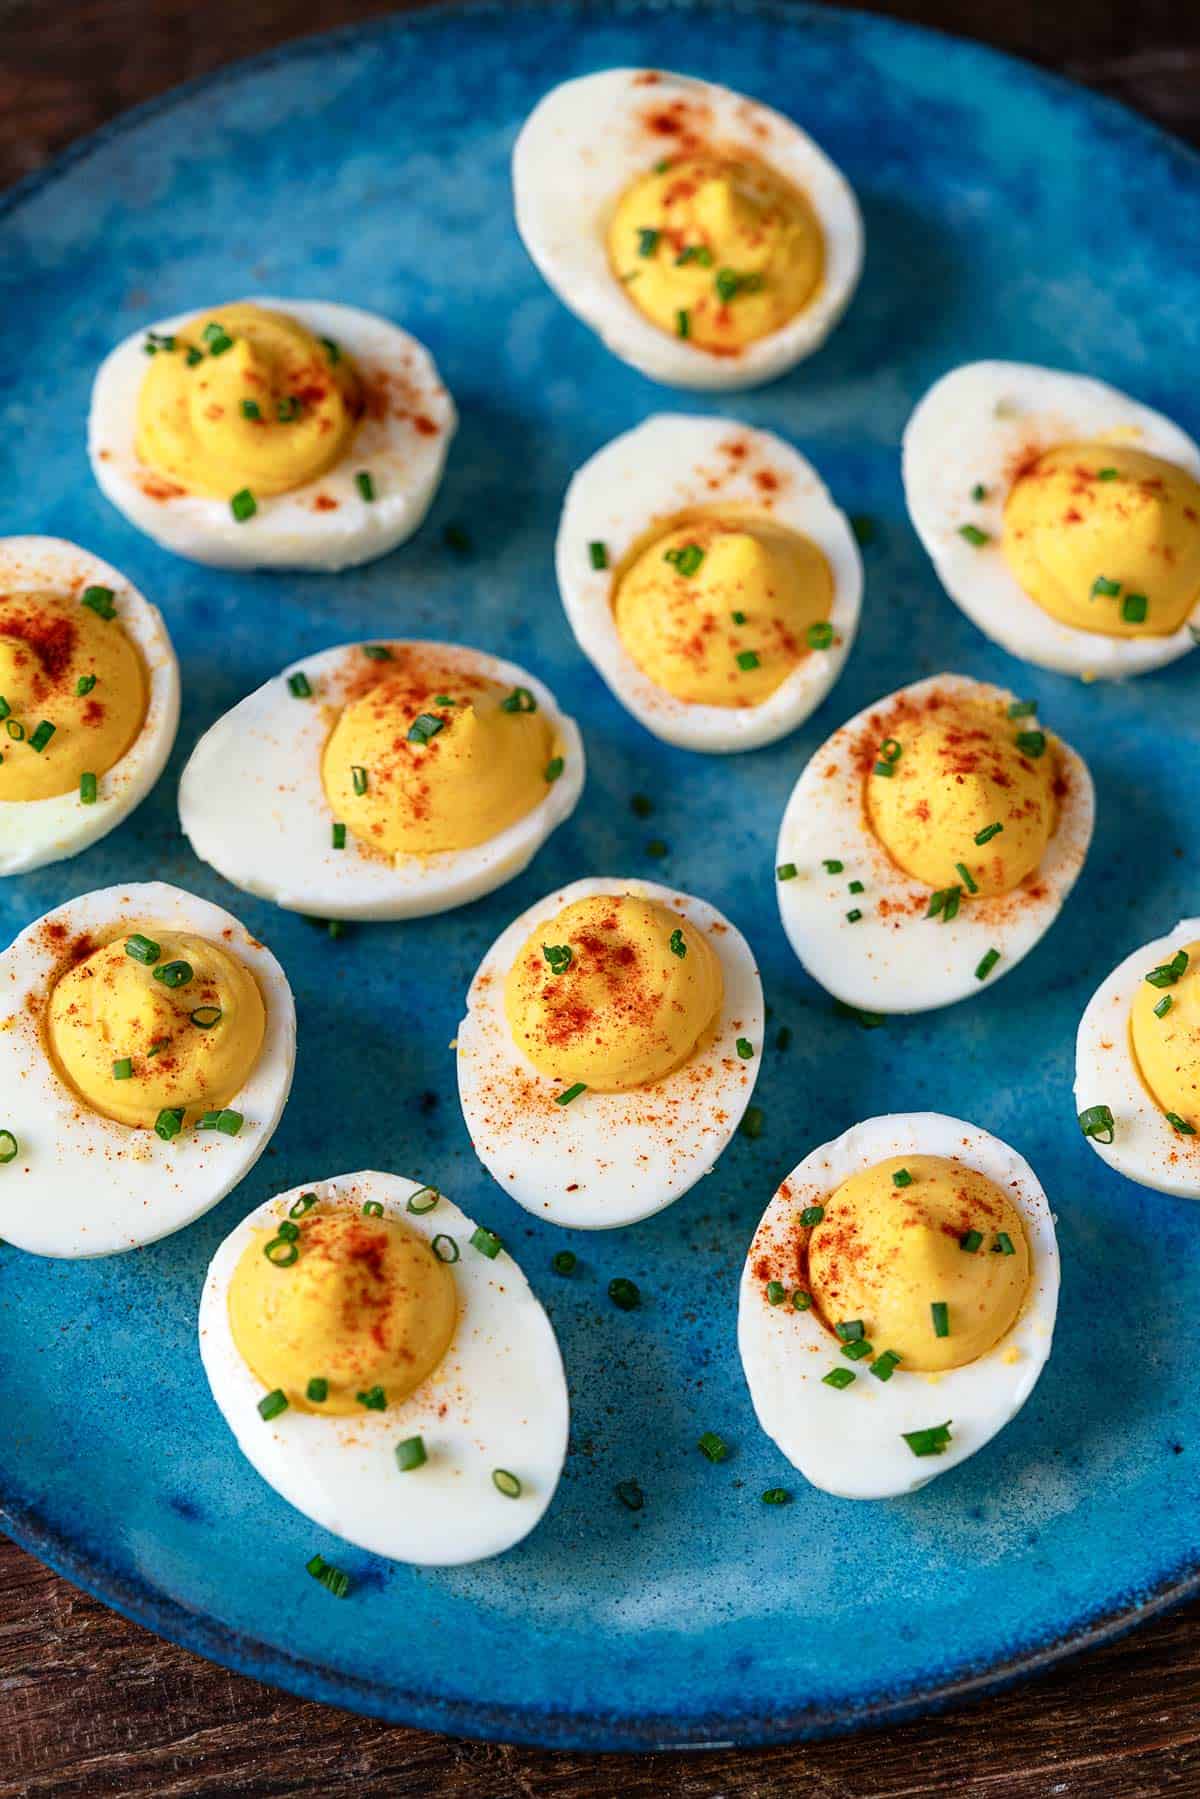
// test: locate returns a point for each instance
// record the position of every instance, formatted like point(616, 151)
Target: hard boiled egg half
point(898, 1302)
point(706, 238)
point(1137, 1065)
point(146, 1050)
point(929, 844)
point(710, 578)
point(271, 434)
point(383, 1363)
point(383, 780)
point(89, 700)
point(610, 1047)
point(1062, 516)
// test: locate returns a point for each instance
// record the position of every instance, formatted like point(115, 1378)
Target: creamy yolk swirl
point(887, 1255)
point(66, 665)
point(246, 398)
point(365, 1304)
point(718, 250)
point(716, 607)
point(133, 1037)
point(1166, 1045)
point(614, 991)
point(424, 761)
point(958, 770)
point(1106, 539)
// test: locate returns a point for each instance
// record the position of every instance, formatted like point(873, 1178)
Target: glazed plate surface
point(372, 168)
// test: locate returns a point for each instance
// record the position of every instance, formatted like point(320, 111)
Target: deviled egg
point(1062, 516)
point(89, 700)
point(384, 1365)
point(704, 237)
point(1137, 1065)
point(898, 1302)
point(271, 434)
point(708, 575)
point(383, 780)
point(610, 1048)
point(147, 1043)
point(929, 844)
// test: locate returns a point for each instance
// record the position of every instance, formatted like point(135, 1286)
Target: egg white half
point(1145, 1148)
point(977, 425)
point(497, 1400)
point(588, 140)
point(667, 465)
point(849, 1441)
point(325, 524)
point(606, 1159)
point(82, 1184)
point(893, 958)
point(34, 833)
point(251, 802)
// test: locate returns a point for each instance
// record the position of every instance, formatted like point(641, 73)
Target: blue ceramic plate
point(1007, 215)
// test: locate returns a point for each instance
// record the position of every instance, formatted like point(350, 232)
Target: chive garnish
point(786, 871)
point(300, 1206)
point(939, 1311)
point(410, 1454)
point(425, 726)
point(205, 1017)
point(739, 618)
point(944, 902)
point(100, 601)
point(338, 837)
point(1167, 973)
point(801, 1300)
point(833, 867)
point(1164, 1006)
point(271, 1404)
point(317, 1390)
point(676, 943)
point(986, 964)
point(820, 635)
point(858, 1349)
point(444, 1248)
point(226, 1120)
point(812, 1215)
point(748, 659)
point(569, 1093)
point(358, 776)
point(598, 554)
point(42, 736)
point(334, 1580)
point(9, 1148)
point(647, 241)
point(143, 949)
point(287, 410)
point(174, 974)
point(563, 1261)
point(506, 1483)
point(624, 1294)
point(745, 1049)
point(987, 833)
point(1180, 1125)
point(885, 1365)
point(1133, 608)
point(122, 1069)
point(87, 790)
point(251, 409)
point(372, 1208)
point(968, 879)
point(217, 338)
point(373, 1400)
point(974, 536)
point(281, 1253)
point(839, 1377)
point(901, 1178)
point(1031, 743)
point(15, 729)
point(1097, 1122)
point(377, 652)
point(1105, 589)
point(1106, 474)
point(776, 1496)
point(753, 1121)
point(552, 770)
point(856, 887)
point(299, 687)
point(851, 1330)
point(332, 351)
point(931, 1441)
point(713, 1446)
point(1022, 709)
point(970, 1241)
point(1003, 1245)
point(243, 505)
point(519, 700)
point(486, 1242)
point(686, 560)
point(776, 1293)
point(423, 1200)
point(559, 956)
point(853, 916)
point(683, 323)
point(169, 1122)
point(365, 484)
point(979, 492)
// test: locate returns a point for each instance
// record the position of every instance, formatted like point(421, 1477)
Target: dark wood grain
point(92, 1705)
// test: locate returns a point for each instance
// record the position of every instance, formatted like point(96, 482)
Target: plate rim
point(136, 1598)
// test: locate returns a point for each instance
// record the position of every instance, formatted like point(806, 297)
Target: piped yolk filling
point(422, 763)
point(245, 398)
point(1106, 539)
point(364, 1306)
point(955, 774)
point(890, 1257)
point(62, 664)
point(716, 608)
point(718, 251)
point(133, 1038)
point(614, 992)
point(1166, 1044)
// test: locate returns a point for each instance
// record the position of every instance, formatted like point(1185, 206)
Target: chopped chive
point(986, 964)
point(1167, 973)
point(373, 1400)
point(143, 949)
point(100, 601)
point(598, 555)
point(359, 777)
point(287, 410)
point(820, 635)
point(931, 1441)
point(902, 1178)
point(748, 659)
point(519, 700)
point(365, 484)
point(630, 1495)
point(1003, 1245)
point(486, 1242)
point(317, 1390)
point(968, 879)
point(890, 750)
point(647, 241)
point(745, 1049)
point(677, 944)
point(271, 1404)
point(974, 536)
point(1106, 474)
point(332, 351)
point(552, 770)
point(625, 1294)
point(885, 1365)
point(839, 1377)
point(226, 1120)
point(1031, 743)
point(686, 561)
point(157, 1047)
point(811, 1216)
point(833, 867)
point(850, 1330)
point(299, 686)
point(713, 1446)
point(853, 916)
point(939, 1311)
point(334, 1580)
point(280, 1253)
point(506, 1483)
point(377, 652)
point(251, 410)
point(338, 837)
point(425, 726)
point(944, 902)
point(217, 338)
point(1180, 1125)
point(423, 1200)
point(739, 618)
point(559, 956)
point(753, 1121)
point(683, 323)
point(87, 790)
point(970, 1241)
point(372, 1208)
point(776, 1496)
point(856, 887)
point(174, 974)
point(42, 736)
point(1164, 1006)
point(776, 1293)
point(1097, 1122)
point(122, 1069)
point(410, 1454)
point(300, 1206)
point(858, 1350)
point(569, 1093)
point(169, 1122)
point(5, 708)
point(866, 1021)
point(1133, 608)
point(885, 769)
point(444, 1248)
point(243, 505)
point(979, 492)
point(1105, 589)
point(563, 1261)
point(786, 871)
point(194, 356)
point(1022, 709)
point(290, 1233)
point(801, 1300)
point(205, 1017)
point(9, 1148)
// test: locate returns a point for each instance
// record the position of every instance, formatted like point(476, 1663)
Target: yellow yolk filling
point(63, 664)
point(886, 1255)
point(420, 764)
point(365, 1304)
point(716, 251)
point(1167, 1049)
point(716, 609)
point(1106, 539)
point(960, 771)
point(245, 398)
point(614, 991)
point(111, 1010)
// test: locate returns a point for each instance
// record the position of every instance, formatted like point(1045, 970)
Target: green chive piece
point(811, 1216)
point(519, 700)
point(745, 1049)
point(851, 1330)
point(630, 1495)
point(227, 1121)
point(776, 1293)
point(683, 323)
point(970, 1241)
point(885, 1365)
point(1022, 709)
point(250, 409)
point(1133, 608)
point(206, 1017)
point(338, 837)
point(122, 1069)
point(87, 790)
point(486, 1242)
point(271, 1404)
point(820, 635)
point(559, 956)
point(42, 736)
point(425, 726)
point(902, 1178)
point(986, 964)
point(884, 768)
point(839, 1377)
point(372, 1209)
point(753, 1121)
point(1103, 588)
point(858, 1350)
point(15, 729)
point(288, 410)
point(801, 1300)
point(676, 944)
point(833, 867)
point(317, 1390)
point(299, 687)
point(423, 1200)
point(776, 1496)
point(853, 916)
point(1003, 1246)
point(280, 1253)
point(194, 356)
point(939, 1311)
point(359, 777)
point(100, 601)
point(856, 887)
point(374, 1399)
point(5, 708)
point(10, 1149)
point(365, 484)
point(379, 652)
point(598, 555)
point(713, 1446)
point(243, 505)
point(1106, 474)
point(739, 618)
point(169, 1122)
point(570, 1093)
point(944, 902)
point(552, 770)
point(890, 750)
point(563, 1261)
point(968, 879)
point(1164, 1006)
point(217, 338)
point(143, 949)
point(979, 492)
point(625, 1294)
point(987, 833)
point(1032, 743)
point(174, 974)
point(647, 241)
point(410, 1454)
point(506, 1483)
point(931, 1441)
point(334, 1580)
point(332, 351)
point(290, 1233)
point(1097, 1122)
point(1180, 1125)
point(443, 1247)
point(974, 536)
point(686, 561)
point(1167, 973)
point(304, 1204)
point(786, 871)
point(748, 659)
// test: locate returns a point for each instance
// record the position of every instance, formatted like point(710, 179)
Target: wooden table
point(92, 1705)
